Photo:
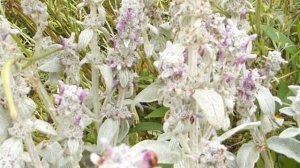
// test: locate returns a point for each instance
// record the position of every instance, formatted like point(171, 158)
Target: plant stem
point(267, 159)
point(43, 95)
point(32, 152)
point(43, 55)
point(258, 26)
point(21, 45)
point(95, 71)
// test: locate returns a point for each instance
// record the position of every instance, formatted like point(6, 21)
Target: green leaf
point(158, 113)
point(298, 29)
point(280, 38)
point(147, 126)
point(165, 165)
point(283, 91)
point(286, 162)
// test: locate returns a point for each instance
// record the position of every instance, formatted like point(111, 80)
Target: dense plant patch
point(149, 83)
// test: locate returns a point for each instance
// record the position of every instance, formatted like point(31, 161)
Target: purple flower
point(83, 95)
point(244, 57)
point(249, 41)
point(129, 14)
point(249, 85)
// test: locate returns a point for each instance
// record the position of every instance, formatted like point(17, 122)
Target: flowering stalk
point(32, 151)
point(95, 71)
point(89, 36)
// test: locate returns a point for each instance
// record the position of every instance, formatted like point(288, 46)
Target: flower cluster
point(70, 99)
point(123, 56)
point(21, 129)
point(214, 155)
point(117, 112)
point(174, 72)
point(37, 10)
point(70, 108)
point(70, 59)
point(274, 61)
point(122, 156)
point(7, 44)
point(246, 92)
point(130, 24)
point(172, 62)
point(237, 7)
point(93, 22)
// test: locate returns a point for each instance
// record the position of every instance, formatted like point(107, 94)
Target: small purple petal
point(250, 39)
point(58, 99)
point(77, 121)
point(83, 95)
point(61, 87)
point(129, 14)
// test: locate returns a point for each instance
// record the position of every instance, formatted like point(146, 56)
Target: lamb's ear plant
point(205, 79)
point(208, 80)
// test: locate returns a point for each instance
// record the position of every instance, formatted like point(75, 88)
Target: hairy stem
point(32, 152)
point(267, 159)
point(43, 95)
point(43, 55)
point(95, 71)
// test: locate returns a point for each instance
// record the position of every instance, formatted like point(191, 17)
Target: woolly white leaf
point(153, 29)
point(95, 158)
point(107, 75)
point(53, 65)
point(278, 100)
point(109, 130)
point(126, 43)
point(233, 131)
point(73, 146)
point(288, 146)
point(266, 101)
point(26, 157)
point(28, 107)
point(162, 149)
point(44, 127)
point(84, 38)
point(124, 78)
point(13, 146)
point(149, 94)
point(102, 13)
point(247, 155)
point(287, 111)
point(50, 152)
point(105, 32)
point(5, 122)
point(124, 129)
point(294, 88)
point(212, 106)
point(53, 79)
point(289, 132)
point(148, 48)
point(267, 124)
